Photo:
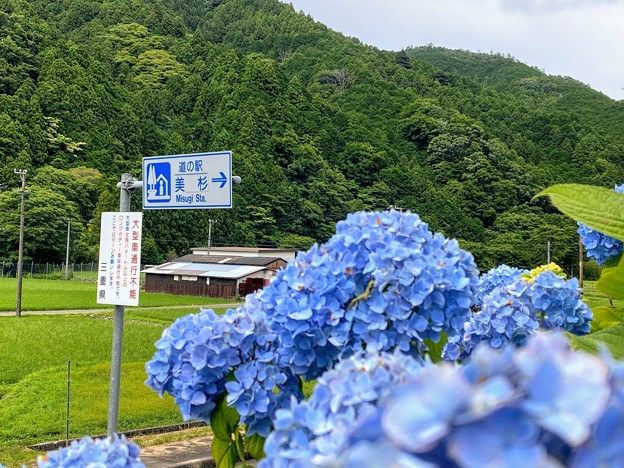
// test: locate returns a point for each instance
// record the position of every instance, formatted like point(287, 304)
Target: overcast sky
point(583, 39)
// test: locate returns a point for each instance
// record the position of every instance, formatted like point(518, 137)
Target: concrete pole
point(548, 254)
point(580, 263)
point(67, 251)
point(20, 254)
point(118, 322)
point(210, 221)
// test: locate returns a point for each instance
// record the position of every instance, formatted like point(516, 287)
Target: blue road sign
point(188, 181)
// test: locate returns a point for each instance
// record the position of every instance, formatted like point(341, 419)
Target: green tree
point(45, 228)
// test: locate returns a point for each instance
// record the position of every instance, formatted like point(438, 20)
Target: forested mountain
point(319, 124)
point(508, 75)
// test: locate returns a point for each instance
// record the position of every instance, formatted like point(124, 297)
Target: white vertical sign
point(120, 259)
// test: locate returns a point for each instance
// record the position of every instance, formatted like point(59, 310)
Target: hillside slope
point(508, 75)
point(320, 125)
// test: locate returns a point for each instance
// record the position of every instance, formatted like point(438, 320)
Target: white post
point(210, 221)
point(548, 254)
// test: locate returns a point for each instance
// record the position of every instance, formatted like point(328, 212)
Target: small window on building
point(176, 278)
point(189, 278)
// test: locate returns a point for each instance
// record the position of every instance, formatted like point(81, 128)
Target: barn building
point(200, 274)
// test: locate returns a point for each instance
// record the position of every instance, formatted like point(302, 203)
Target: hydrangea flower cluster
point(109, 452)
point(197, 353)
point(518, 309)
point(530, 276)
point(600, 246)
point(313, 428)
point(506, 316)
point(383, 281)
point(261, 385)
point(496, 278)
point(541, 405)
point(194, 357)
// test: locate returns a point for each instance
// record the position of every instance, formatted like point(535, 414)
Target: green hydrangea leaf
point(611, 280)
point(224, 452)
point(612, 338)
point(435, 348)
point(223, 419)
point(599, 208)
point(606, 317)
point(255, 446)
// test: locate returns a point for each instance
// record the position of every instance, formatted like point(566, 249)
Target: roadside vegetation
point(34, 351)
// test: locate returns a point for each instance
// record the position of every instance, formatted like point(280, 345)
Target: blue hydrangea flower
point(515, 310)
point(597, 245)
point(506, 316)
point(260, 386)
point(557, 382)
point(604, 446)
point(383, 281)
point(109, 452)
point(311, 429)
point(558, 302)
point(540, 405)
point(196, 354)
point(496, 278)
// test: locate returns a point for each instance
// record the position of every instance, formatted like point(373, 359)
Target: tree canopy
point(319, 124)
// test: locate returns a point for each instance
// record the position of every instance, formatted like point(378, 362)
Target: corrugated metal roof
point(212, 270)
point(215, 259)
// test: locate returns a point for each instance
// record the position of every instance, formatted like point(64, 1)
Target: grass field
point(34, 351)
point(41, 294)
point(594, 298)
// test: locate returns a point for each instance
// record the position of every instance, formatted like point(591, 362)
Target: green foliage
point(606, 317)
point(255, 446)
point(591, 270)
point(611, 280)
point(602, 210)
point(224, 423)
point(612, 338)
point(599, 208)
point(43, 294)
point(320, 125)
point(33, 380)
point(224, 453)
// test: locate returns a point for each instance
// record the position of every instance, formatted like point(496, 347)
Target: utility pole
point(580, 263)
point(548, 253)
point(20, 255)
point(210, 222)
point(67, 251)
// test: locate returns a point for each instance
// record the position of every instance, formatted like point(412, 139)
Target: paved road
point(186, 453)
point(110, 309)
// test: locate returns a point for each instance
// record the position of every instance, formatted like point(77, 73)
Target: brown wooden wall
point(276, 265)
point(250, 285)
point(165, 284)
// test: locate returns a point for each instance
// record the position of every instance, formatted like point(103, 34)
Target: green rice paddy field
point(35, 349)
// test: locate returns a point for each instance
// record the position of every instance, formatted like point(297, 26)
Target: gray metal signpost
point(127, 185)
point(200, 180)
